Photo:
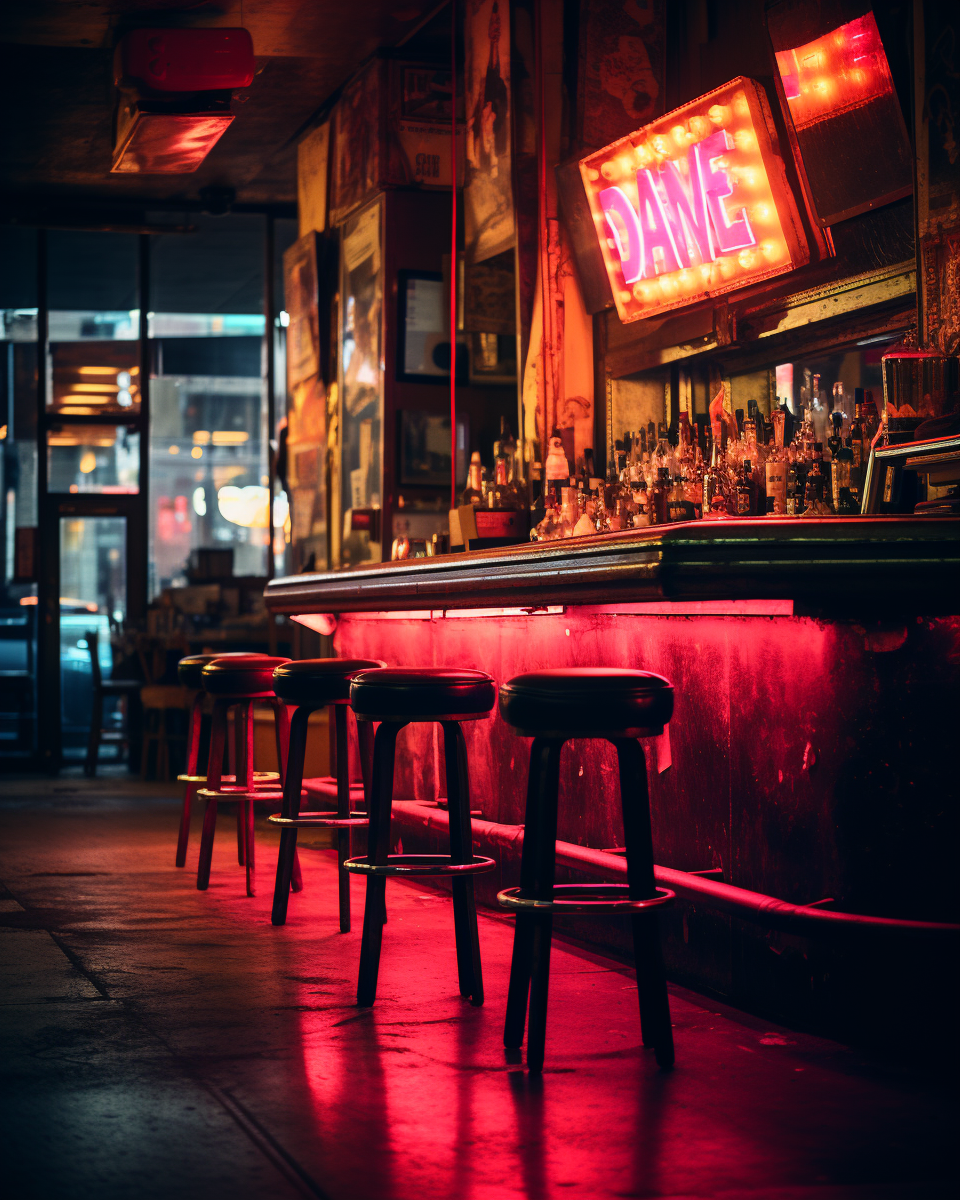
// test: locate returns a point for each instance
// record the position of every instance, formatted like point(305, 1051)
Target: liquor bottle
point(503, 495)
point(506, 446)
point(715, 484)
point(814, 505)
point(473, 492)
point(586, 522)
point(817, 479)
point(846, 504)
point(685, 450)
point(661, 490)
point(835, 440)
point(557, 468)
point(642, 515)
point(569, 511)
point(679, 505)
point(744, 490)
point(874, 429)
point(858, 441)
point(693, 492)
point(840, 474)
point(547, 529)
point(794, 505)
point(776, 470)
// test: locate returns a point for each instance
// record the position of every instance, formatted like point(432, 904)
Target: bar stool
point(239, 683)
point(189, 671)
point(310, 684)
point(395, 698)
point(552, 706)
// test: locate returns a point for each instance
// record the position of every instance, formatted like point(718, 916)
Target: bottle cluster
point(739, 467)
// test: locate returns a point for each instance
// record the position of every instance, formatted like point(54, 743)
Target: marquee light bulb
point(719, 114)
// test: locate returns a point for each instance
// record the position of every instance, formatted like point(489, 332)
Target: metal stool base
point(418, 864)
point(320, 820)
point(585, 898)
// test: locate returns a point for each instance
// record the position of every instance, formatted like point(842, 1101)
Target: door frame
point(51, 506)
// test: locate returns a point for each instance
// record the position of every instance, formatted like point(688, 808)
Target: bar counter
point(816, 666)
point(853, 563)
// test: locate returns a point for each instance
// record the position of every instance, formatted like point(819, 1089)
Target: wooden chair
point(101, 688)
point(159, 700)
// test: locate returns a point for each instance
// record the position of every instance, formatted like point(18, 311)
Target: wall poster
point(313, 156)
point(361, 378)
point(357, 125)
point(622, 60)
point(488, 185)
point(306, 402)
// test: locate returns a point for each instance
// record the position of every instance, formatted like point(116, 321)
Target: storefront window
point(93, 459)
point(208, 449)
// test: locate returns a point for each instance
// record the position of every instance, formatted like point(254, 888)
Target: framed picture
point(424, 448)
point(423, 345)
point(493, 358)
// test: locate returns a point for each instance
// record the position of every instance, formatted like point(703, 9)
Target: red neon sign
point(840, 71)
point(694, 205)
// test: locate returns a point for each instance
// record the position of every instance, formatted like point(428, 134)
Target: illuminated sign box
point(839, 93)
point(695, 204)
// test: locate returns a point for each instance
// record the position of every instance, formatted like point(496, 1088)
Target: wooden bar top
point(833, 565)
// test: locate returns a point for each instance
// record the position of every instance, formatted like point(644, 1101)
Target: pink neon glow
point(656, 230)
point(621, 215)
point(734, 234)
point(687, 208)
point(677, 214)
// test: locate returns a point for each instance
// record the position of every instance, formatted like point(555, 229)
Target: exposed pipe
point(738, 902)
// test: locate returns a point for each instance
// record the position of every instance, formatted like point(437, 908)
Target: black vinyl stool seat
point(310, 684)
point(240, 681)
point(189, 675)
point(553, 706)
point(397, 697)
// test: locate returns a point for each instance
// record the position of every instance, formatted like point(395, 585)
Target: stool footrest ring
point(239, 793)
point(260, 779)
point(319, 820)
point(585, 898)
point(419, 864)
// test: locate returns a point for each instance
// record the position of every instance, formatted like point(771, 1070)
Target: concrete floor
point(162, 1042)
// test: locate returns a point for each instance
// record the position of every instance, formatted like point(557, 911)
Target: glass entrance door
point(93, 601)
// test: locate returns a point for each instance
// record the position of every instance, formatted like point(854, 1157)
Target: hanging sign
point(695, 204)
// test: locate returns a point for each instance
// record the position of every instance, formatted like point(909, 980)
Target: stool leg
point(218, 742)
point(239, 770)
point(245, 779)
point(189, 789)
point(365, 732)
point(545, 847)
point(292, 783)
point(281, 731)
point(365, 744)
point(343, 810)
point(655, 1026)
point(542, 787)
point(378, 846)
point(461, 851)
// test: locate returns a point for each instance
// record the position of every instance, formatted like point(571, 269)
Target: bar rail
point(756, 907)
point(832, 565)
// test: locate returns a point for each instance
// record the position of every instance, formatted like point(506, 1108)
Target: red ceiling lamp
point(174, 89)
